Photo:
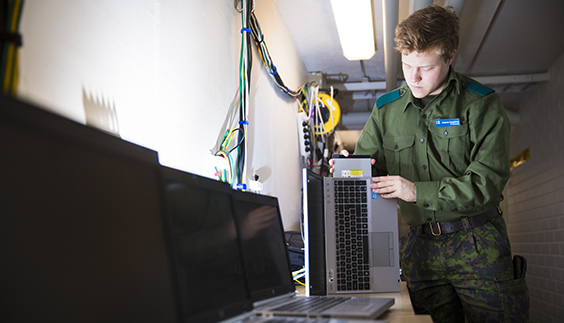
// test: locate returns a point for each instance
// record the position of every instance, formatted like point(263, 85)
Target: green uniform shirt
point(455, 149)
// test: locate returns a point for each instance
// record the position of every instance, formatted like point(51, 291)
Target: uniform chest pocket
point(398, 152)
point(453, 146)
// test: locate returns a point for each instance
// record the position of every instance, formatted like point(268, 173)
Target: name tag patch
point(440, 123)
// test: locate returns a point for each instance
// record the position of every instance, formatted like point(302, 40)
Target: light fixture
point(355, 27)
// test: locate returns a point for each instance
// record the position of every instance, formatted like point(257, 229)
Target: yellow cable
point(15, 74)
point(12, 59)
point(9, 66)
point(230, 137)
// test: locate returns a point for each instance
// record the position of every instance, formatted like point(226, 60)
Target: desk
point(401, 311)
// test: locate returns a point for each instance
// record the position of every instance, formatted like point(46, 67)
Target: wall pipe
point(390, 11)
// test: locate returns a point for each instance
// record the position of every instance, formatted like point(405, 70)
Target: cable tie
point(286, 90)
point(15, 38)
point(247, 30)
point(275, 70)
point(241, 187)
point(246, 123)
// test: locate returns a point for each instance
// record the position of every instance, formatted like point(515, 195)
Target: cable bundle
point(235, 152)
point(10, 40)
point(267, 61)
point(322, 119)
point(298, 276)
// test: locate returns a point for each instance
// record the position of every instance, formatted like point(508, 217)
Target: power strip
point(304, 134)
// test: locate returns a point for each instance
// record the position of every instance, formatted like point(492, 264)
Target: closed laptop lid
point(208, 260)
point(264, 249)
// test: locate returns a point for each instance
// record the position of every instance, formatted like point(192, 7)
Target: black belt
point(440, 228)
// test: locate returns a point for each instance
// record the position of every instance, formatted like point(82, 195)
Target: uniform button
point(455, 210)
point(424, 116)
point(426, 205)
point(396, 147)
point(424, 167)
point(445, 133)
point(429, 219)
point(421, 140)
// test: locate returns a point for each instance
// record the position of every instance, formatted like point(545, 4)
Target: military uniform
point(456, 257)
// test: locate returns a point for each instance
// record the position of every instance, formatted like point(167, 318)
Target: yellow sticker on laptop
point(351, 173)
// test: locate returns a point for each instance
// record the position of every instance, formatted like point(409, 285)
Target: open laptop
point(355, 230)
point(266, 263)
point(212, 285)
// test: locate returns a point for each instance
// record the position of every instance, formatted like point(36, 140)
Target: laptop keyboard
point(351, 229)
point(310, 304)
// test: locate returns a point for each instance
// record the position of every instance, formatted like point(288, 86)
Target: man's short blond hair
point(431, 28)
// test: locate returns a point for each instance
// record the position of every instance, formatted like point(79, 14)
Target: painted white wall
point(171, 70)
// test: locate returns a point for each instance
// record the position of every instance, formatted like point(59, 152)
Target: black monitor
point(82, 237)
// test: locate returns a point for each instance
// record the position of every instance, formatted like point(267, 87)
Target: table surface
point(401, 311)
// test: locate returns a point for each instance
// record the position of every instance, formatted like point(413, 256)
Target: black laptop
point(268, 271)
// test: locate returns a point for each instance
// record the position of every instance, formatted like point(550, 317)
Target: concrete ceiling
point(506, 44)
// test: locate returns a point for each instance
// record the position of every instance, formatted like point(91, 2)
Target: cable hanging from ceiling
point(235, 151)
point(267, 60)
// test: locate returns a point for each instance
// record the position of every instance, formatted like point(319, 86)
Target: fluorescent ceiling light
point(355, 27)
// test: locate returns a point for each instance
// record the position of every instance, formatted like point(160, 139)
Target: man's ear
point(451, 58)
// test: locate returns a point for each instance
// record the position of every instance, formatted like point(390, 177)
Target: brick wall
point(535, 196)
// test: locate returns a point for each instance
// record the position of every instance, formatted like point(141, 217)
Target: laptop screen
point(264, 249)
point(209, 266)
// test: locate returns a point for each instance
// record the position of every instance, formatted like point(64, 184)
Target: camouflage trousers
point(465, 276)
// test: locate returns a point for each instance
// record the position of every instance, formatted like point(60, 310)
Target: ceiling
point(508, 45)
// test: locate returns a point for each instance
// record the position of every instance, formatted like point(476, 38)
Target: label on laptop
point(352, 173)
point(447, 123)
point(374, 195)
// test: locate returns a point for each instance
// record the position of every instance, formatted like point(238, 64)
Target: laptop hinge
point(275, 299)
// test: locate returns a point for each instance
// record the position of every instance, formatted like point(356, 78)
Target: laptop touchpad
point(382, 249)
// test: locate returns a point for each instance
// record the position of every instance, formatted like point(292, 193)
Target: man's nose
point(415, 75)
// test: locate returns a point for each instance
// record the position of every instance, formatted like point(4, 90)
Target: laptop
point(357, 232)
point(267, 266)
point(352, 166)
point(206, 250)
point(81, 231)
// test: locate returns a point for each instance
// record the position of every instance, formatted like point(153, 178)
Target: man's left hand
point(394, 186)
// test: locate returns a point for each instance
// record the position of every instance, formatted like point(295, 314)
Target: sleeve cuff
point(427, 195)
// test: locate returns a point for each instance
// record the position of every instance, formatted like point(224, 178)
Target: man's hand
point(394, 186)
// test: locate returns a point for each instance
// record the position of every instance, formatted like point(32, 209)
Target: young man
point(440, 145)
